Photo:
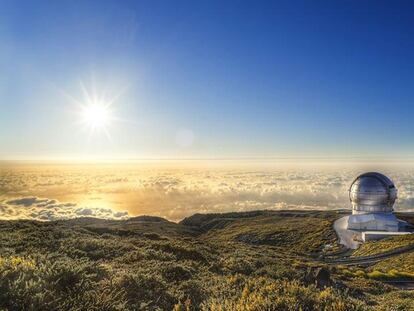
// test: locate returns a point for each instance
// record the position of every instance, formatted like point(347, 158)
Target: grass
point(247, 261)
point(301, 235)
point(403, 262)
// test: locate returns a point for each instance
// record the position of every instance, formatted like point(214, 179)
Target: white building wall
point(373, 222)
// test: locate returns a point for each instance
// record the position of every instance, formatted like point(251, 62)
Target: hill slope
point(236, 261)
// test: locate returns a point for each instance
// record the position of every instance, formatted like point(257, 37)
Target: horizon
point(175, 189)
point(269, 143)
point(122, 108)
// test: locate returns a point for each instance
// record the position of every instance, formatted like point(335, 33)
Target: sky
point(206, 79)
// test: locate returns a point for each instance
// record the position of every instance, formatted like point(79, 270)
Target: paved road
point(367, 260)
point(405, 285)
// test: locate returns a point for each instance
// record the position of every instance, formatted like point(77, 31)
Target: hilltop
point(261, 260)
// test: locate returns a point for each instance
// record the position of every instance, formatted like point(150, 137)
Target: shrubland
point(235, 261)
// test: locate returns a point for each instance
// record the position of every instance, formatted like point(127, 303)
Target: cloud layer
point(49, 193)
point(50, 209)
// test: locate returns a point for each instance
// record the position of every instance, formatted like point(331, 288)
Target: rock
point(322, 277)
point(319, 276)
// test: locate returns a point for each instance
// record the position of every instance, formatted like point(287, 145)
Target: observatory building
point(372, 196)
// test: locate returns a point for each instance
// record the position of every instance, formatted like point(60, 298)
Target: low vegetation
point(403, 262)
point(236, 261)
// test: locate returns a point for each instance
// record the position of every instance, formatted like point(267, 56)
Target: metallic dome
point(372, 193)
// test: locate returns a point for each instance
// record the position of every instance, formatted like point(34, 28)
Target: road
point(405, 285)
point(367, 260)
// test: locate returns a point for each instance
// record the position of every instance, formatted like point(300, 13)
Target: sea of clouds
point(118, 192)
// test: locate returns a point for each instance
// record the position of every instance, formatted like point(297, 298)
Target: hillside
point(259, 260)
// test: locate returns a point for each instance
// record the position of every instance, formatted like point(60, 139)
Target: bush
point(143, 289)
point(43, 284)
point(265, 294)
point(160, 266)
point(390, 275)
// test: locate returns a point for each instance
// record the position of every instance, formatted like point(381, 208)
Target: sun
point(94, 108)
point(96, 115)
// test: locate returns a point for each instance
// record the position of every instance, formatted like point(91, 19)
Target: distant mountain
point(145, 218)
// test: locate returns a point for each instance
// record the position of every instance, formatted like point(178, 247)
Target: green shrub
point(71, 265)
point(264, 294)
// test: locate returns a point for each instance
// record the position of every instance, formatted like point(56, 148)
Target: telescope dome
point(372, 193)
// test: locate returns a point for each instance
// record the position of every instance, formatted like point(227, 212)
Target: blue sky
point(242, 78)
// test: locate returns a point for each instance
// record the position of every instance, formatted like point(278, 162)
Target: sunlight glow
point(96, 115)
point(95, 108)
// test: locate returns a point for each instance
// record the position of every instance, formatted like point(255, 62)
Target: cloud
point(51, 209)
point(32, 201)
point(65, 191)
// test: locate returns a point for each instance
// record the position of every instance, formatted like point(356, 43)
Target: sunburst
point(95, 109)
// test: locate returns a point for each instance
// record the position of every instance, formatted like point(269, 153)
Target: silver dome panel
point(372, 193)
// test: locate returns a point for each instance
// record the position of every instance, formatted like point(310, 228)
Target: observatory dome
point(372, 193)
